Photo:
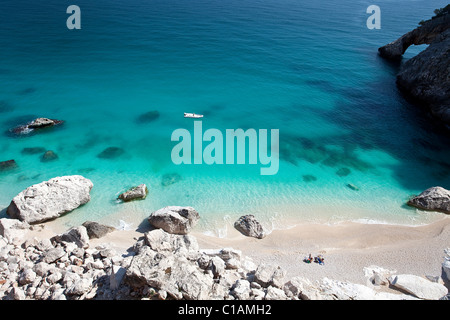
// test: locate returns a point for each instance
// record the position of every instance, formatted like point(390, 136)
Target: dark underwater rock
point(343, 172)
point(170, 178)
point(309, 178)
point(148, 117)
point(352, 186)
point(8, 165)
point(111, 153)
point(49, 156)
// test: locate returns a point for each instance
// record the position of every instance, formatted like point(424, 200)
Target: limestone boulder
point(175, 219)
point(50, 199)
point(432, 199)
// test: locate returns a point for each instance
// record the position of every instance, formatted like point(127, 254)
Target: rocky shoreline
point(425, 77)
point(166, 262)
point(160, 266)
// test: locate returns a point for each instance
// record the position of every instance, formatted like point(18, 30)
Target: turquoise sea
point(307, 68)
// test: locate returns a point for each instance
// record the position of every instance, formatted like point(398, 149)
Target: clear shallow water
point(309, 69)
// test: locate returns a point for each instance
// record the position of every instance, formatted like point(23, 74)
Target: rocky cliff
point(426, 77)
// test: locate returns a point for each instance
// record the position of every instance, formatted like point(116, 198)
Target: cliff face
point(426, 77)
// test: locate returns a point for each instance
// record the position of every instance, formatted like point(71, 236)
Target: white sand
point(347, 247)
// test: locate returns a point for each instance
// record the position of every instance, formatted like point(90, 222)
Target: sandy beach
point(347, 247)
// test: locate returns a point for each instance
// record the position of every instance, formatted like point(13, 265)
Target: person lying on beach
point(319, 259)
point(309, 259)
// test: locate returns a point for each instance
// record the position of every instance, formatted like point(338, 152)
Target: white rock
point(267, 275)
point(275, 294)
point(446, 264)
point(175, 219)
point(53, 254)
point(13, 230)
point(378, 275)
point(50, 199)
point(338, 290)
point(80, 286)
point(241, 289)
point(27, 276)
point(301, 288)
point(418, 286)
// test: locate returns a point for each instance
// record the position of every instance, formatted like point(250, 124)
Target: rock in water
point(175, 219)
point(425, 76)
point(139, 192)
point(170, 178)
point(8, 165)
point(49, 156)
point(148, 117)
point(38, 123)
point(343, 172)
point(111, 153)
point(432, 199)
point(50, 199)
point(249, 226)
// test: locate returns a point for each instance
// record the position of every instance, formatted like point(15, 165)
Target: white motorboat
point(193, 115)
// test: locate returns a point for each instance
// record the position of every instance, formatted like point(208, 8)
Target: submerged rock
point(250, 227)
point(343, 172)
point(309, 178)
point(175, 219)
point(111, 153)
point(432, 199)
point(8, 165)
point(49, 156)
point(352, 186)
point(50, 199)
point(140, 192)
point(148, 117)
point(170, 178)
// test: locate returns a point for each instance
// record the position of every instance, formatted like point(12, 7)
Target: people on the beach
point(319, 259)
point(309, 259)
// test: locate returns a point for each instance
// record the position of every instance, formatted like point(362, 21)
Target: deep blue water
point(307, 68)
